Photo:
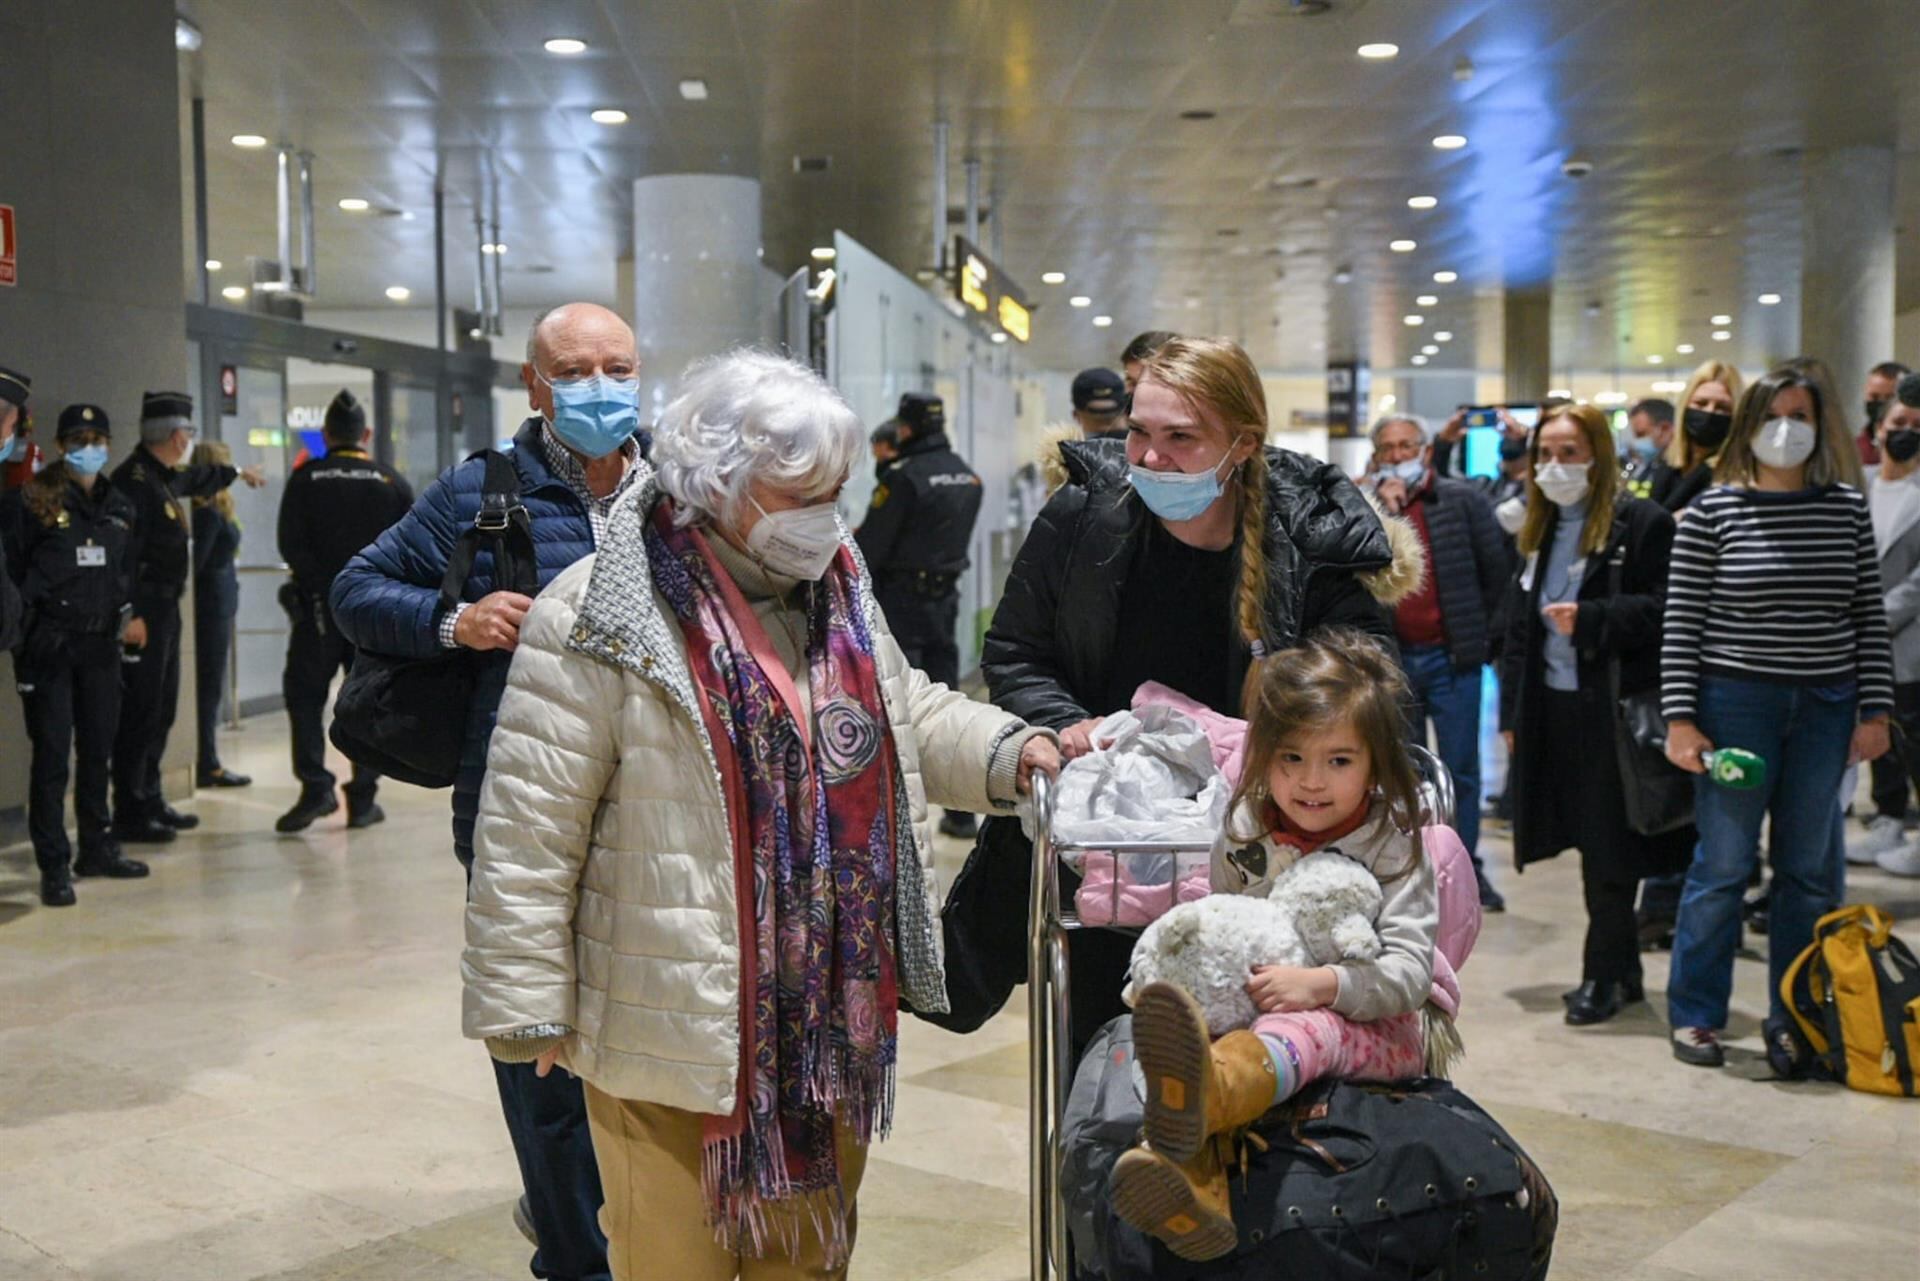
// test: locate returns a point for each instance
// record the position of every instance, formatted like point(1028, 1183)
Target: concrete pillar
point(1846, 281)
point(696, 274)
point(1528, 342)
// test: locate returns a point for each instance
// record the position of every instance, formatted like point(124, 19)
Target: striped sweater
point(1778, 587)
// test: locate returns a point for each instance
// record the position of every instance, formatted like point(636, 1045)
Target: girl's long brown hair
point(1216, 374)
point(1340, 676)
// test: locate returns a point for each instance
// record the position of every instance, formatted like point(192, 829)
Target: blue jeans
point(1803, 734)
point(1451, 697)
point(547, 1117)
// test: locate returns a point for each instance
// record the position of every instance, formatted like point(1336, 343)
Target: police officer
point(155, 478)
point(14, 388)
point(69, 540)
point(334, 506)
point(915, 538)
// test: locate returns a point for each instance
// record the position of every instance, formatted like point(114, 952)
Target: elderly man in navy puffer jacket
point(574, 463)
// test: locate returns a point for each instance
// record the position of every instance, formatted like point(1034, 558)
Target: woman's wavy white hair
point(747, 416)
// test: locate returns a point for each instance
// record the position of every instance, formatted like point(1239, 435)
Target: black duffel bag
point(1357, 1182)
point(406, 718)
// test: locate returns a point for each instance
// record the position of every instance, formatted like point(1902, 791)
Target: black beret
point(14, 386)
point(75, 419)
point(161, 406)
point(923, 412)
point(345, 417)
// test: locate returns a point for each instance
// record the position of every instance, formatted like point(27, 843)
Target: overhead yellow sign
point(986, 291)
point(1015, 319)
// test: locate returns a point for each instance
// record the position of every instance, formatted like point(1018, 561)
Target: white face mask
point(1564, 484)
point(800, 543)
point(1784, 442)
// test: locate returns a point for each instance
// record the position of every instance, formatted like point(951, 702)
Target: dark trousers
point(924, 627)
point(316, 653)
point(70, 692)
point(212, 646)
point(1893, 771)
point(1609, 871)
point(1450, 697)
point(149, 699)
point(547, 1118)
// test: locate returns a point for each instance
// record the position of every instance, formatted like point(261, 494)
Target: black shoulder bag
point(407, 717)
point(1658, 793)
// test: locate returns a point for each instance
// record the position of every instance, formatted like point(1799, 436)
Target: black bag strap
point(502, 521)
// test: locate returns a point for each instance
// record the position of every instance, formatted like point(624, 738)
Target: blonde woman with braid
point(1177, 555)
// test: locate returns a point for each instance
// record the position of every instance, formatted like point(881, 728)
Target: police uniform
point(334, 506)
point(150, 675)
point(70, 551)
point(14, 388)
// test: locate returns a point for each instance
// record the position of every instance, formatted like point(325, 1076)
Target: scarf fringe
point(1444, 1046)
point(747, 1220)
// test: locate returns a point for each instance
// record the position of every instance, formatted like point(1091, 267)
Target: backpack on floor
point(1854, 997)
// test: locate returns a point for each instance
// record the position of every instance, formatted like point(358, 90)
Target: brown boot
point(1196, 1086)
point(1185, 1206)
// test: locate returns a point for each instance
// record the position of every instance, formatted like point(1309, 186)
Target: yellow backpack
point(1854, 995)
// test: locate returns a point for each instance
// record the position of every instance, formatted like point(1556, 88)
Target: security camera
point(1577, 165)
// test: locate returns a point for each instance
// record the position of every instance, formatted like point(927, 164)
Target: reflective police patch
point(879, 496)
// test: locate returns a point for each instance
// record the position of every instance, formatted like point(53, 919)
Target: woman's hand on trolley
point(1077, 740)
point(1041, 754)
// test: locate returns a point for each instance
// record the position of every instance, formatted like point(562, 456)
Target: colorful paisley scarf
point(812, 796)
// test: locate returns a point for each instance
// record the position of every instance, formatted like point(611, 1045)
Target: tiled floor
point(250, 1065)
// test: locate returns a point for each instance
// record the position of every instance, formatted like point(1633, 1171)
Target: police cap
point(346, 419)
point(923, 412)
point(166, 409)
point(75, 419)
point(14, 386)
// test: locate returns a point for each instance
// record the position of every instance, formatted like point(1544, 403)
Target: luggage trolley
point(1049, 1043)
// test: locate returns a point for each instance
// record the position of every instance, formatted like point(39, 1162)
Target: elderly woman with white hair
point(703, 878)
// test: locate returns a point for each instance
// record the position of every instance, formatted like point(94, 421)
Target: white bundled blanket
point(1152, 779)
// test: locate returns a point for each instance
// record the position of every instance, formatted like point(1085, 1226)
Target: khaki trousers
point(655, 1213)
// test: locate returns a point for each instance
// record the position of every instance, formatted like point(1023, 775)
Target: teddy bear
point(1320, 911)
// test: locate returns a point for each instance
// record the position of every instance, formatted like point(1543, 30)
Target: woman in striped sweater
point(1775, 641)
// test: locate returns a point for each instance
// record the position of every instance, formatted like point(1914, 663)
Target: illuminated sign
point(265, 438)
point(989, 293)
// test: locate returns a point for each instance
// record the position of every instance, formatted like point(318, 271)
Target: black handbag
point(406, 718)
point(1658, 793)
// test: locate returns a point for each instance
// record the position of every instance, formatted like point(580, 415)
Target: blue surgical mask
point(1178, 495)
point(8, 445)
point(87, 460)
point(595, 415)
point(1412, 472)
point(1642, 447)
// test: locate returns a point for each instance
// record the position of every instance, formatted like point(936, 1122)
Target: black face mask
point(1903, 445)
point(1875, 408)
point(1706, 428)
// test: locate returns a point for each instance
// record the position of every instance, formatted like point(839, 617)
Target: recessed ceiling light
point(399, 293)
point(1079, 300)
point(1381, 50)
point(214, 264)
point(1721, 335)
point(1445, 277)
point(566, 44)
point(1427, 300)
point(823, 253)
point(998, 335)
point(1720, 320)
point(248, 140)
point(1414, 318)
point(609, 116)
point(493, 249)
point(1654, 360)
point(186, 36)
point(234, 293)
point(1559, 393)
point(693, 89)
point(1053, 277)
point(1422, 202)
point(1768, 300)
point(1419, 360)
point(354, 204)
point(1101, 322)
point(1685, 348)
point(1443, 335)
point(1403, 246)
point(1431, 349)
point(1450, 141)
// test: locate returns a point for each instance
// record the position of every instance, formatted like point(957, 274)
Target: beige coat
point(602, 898)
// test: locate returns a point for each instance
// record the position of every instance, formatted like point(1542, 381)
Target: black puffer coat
point(1048, 649)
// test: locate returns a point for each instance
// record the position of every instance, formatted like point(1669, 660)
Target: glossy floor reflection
point(249, 1065)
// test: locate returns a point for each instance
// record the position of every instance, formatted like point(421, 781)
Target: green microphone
point(1735, 767)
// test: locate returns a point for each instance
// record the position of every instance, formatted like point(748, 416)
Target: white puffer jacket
point(602, 897)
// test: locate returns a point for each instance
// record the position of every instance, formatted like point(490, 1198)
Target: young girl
point(1326, 769)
